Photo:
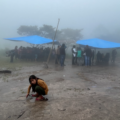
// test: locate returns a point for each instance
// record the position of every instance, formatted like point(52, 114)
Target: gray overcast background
point(95, 17)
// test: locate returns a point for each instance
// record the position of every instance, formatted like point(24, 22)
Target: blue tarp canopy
point(98, 43)
point(35, 39)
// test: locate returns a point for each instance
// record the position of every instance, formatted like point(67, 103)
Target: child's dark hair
point(36, 78)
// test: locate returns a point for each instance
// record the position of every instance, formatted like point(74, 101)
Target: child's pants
point(39, 90)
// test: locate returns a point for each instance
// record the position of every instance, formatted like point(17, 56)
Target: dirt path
point(75, 92)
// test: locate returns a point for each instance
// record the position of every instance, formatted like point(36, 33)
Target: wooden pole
point(53, 42)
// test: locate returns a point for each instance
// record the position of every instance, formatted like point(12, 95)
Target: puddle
point(94, 86)
point(108, 87)
point(33, 99)
point(29, 97)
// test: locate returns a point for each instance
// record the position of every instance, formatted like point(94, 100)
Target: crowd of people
point(88, 55)
point(79, 56)
point(101, 58)
point(29, 53)
point(38, 54)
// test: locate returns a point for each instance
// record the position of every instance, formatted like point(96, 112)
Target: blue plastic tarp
point(35, 39)
point(98, 43)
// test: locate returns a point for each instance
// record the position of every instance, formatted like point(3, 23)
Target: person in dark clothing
point(79, 55)
point(84, 54)
point(88, 56)
point(106, 58)
point(98, 56)
point(57, 60)
point(16, 52)
point(12, 54)
point(62, 54)
point(114, 53)
point(92, 58)
point(65, 55)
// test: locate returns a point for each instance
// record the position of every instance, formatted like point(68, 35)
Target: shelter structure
point(35, 39)
point(98, 43)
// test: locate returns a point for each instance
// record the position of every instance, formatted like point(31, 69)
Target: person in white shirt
point(74, 55)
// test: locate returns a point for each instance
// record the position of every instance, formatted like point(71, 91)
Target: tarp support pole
point(53, 41)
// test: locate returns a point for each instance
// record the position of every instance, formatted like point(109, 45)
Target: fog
point(97, 18)
point(80, 83)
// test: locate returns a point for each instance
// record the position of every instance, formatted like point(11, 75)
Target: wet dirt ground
point(75, 93)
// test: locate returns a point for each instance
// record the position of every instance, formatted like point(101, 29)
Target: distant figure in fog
point(74, 55)
point(84, 54)
point(20, 52)
point(114, 53)
point(12, 54)
point(88, 56)
point(62, 54)
point(57, 60)
point(79, 55)
point(16, 52)
point(106, 58)
point(53, 53)
point(92, 57)
point(98, 56)
point(65, 55)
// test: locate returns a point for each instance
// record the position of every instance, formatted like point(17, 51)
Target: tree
point(47, 31)
point(71, 34)
point(28, 30)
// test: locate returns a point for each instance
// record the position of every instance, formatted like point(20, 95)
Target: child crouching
point(38, 86)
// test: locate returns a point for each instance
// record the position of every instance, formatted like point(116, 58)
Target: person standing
point(20, 52)
point(57, 60)
point(114, 53)
point(79, 52)
point(12, 54)
point(74, 55)
point(62, 54)
point(93, 54)
point(16, 52)
point(88, 56)
point(84, 54)
point(65, 55)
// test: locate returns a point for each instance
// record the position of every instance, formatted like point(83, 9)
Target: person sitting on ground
point(38, 86)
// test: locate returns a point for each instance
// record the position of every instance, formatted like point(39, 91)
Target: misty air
point(59, 59)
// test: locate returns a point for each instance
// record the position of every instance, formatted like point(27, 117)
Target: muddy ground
point(75, 93)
